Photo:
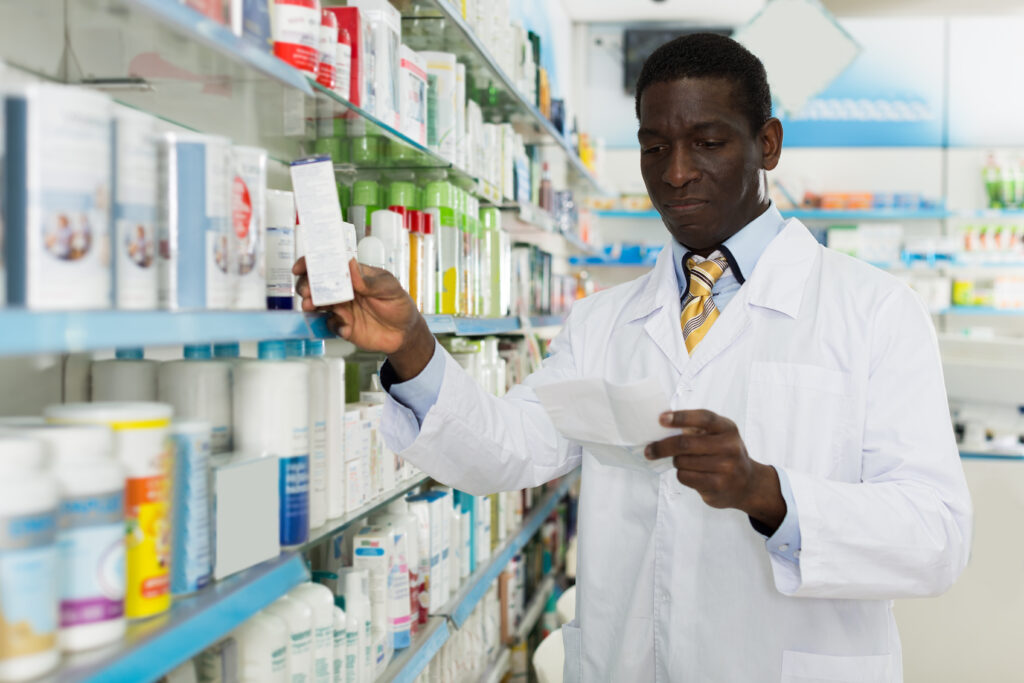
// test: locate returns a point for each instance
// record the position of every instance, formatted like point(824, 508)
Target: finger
point(300, 267)
point(308, 306)
point(358, 284)
point(701, 482)
point(302, 286)
point(687, 444)
point(709, 422)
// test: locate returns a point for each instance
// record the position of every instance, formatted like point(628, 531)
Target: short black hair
point(711, 55)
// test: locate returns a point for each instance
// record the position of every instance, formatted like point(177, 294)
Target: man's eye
point(652, 149)
point(709, 144)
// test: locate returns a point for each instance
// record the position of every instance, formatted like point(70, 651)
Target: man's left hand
point(711, 458)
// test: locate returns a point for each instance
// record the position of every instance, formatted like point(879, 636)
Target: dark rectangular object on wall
point(639, 43)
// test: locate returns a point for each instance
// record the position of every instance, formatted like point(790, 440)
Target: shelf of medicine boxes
point(438, 25)
point(410, 662)
point(496, 668)
point(153, 647)
point(165, 58)
point(815, 214)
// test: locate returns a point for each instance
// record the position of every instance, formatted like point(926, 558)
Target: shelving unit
point(410, 662)
point(445, 25)
point(477, 327)
point(157, 645)
point(817, 214)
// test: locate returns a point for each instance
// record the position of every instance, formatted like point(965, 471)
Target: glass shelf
point(477, 327)
point(408, 663)
point(154, 646)
point(437, 25)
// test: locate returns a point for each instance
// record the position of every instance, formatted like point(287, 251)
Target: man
point(816, 477)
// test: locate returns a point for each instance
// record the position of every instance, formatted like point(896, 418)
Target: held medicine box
point(57, 194)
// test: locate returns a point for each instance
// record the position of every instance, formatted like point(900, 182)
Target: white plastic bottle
point(355, 584)
point(429, 264)
point(91, 536)
point(199, 388)
point(407, 552)
point(262, 649)
point(373, 252)
point(271, 410)
point(280, 253)
point(129, 377)
point(313, 356)
point(191, 532)
point(299, 617)
point(320, 600)
point(398, 608)
point(387, 227)
point(28, 560)
point(340, 646)
point(335, 433)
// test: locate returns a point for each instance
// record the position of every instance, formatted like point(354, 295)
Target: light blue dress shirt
point(746, 247)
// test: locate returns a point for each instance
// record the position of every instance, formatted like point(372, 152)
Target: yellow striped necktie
point(699, 312)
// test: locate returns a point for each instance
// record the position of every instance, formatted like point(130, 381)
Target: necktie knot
point(705, 274)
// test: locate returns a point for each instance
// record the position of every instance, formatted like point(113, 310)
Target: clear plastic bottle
point(440, 203)
point(417, 273)
point(429, 239)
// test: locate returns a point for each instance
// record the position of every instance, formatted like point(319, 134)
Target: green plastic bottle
point(365, 200)
point(490, 220)
point(468, 261)
point(402, 193)
point(439, 201)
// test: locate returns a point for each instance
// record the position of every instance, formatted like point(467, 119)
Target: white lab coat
point(831, 370)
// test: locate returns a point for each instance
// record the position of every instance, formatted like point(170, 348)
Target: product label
point(296, 33)
point(324, 643)
point(294, 499)
point(343, 70)
point(318, 444)
point(280, 259)
point(91, 551)
point(279, 661)
point(351, 656)
point(28, 584)
point(147, 546)
point(328, 39)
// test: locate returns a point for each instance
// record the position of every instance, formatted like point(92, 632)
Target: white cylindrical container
point(262, 649)
point(28, 560)
point(343, 64)
point(335, 437)
point(340, 646)
point(129, 377)
point(321, 601)
point(199, 388)
point(387, 227)
point(91, 533)
point(271, 409)
point(355, 586)
point(373, 252)
point(142, 446)
point(314, 351)
point(280, 249)
point(299, 617)
point(455, 554)
point(191, 544)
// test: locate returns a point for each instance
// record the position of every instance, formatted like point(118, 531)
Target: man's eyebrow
point(648, 131)
point(700, 127)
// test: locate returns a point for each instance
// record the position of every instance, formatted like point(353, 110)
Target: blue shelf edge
point(969, 455)
point(195, 622)
point(424, 652)
point(980, 310)
point(465, 603)
point(31, 332)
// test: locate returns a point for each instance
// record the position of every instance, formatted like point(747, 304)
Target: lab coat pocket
point(797, 416)
point(805, 667)
point(572, 642)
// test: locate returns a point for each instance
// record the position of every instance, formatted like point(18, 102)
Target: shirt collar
point(746, 246)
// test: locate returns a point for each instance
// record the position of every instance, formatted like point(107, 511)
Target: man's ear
point(770, 137)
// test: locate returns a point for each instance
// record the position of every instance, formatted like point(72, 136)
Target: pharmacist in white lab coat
point(817, 478)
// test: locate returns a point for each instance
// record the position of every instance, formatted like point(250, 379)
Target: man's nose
point(680, 168)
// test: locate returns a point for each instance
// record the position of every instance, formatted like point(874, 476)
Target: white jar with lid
point(28, 561)
point(142, 446)
point(90, 532)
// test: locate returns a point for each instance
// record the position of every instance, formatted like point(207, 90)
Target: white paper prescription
point(613, 422)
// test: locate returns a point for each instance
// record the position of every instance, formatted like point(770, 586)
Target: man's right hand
point(382, 317)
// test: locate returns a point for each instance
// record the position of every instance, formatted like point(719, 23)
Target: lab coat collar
point(780, 277)
point(777, 281)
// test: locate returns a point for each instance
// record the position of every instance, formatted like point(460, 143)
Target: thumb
point(358, 283)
